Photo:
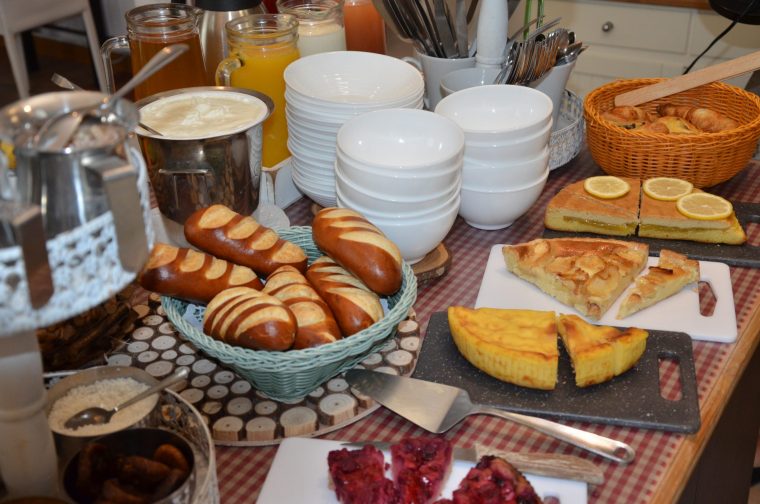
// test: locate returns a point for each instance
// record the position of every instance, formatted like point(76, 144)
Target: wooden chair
point(17, 16)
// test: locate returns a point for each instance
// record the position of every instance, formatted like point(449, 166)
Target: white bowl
point(424, 211)
point(407, 140)
point(331, 110)
point(392, 203)
point(393, 182)
point(505, 175)
point(349, 78)
point(497, 112)
point(415, 237)
point(484, 209)
point(518, 150)
point(466, 78)
point(305, 145)
point(323, 198)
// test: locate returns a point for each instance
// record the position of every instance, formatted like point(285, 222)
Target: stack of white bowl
point(322, 92)
point(506, 159)
point(401, 169)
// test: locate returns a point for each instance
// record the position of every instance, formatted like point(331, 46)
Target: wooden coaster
point(433, 265)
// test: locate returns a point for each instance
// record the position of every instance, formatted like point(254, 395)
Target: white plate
point(502, 289)
point(299, 475)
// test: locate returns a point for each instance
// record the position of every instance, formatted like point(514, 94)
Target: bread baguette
point(355, 306)
point(360, 247)
point(229, 235)
point(249, 318)
point(316, 324)
point(703, 118)
point(192, 275)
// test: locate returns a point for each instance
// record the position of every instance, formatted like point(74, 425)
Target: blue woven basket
point(290, 375)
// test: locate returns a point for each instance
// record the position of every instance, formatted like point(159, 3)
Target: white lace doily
point(85, 267)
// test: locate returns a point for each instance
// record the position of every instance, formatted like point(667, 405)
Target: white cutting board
point(299, 475)
point(680, 313)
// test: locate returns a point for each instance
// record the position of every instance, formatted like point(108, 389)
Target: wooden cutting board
point(679, 313)
point(734, 255)
point(631, 399)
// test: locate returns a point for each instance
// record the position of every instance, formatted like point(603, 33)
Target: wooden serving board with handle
point(721, 71)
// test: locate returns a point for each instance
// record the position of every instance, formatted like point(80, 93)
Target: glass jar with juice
point(150, 28)
point(320, 24)
point(365, 29)
point(260, 47)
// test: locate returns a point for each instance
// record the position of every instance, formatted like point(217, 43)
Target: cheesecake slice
point(574, 209)
point(673, 272)
point(661, 219)
point(587, 274)
point(515, 346)
point(599, 353)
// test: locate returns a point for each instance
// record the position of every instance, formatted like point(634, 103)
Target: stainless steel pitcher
point(74, 185)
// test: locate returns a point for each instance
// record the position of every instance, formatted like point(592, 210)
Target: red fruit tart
point(493, 481)
point(359, 476)
point(420, 467)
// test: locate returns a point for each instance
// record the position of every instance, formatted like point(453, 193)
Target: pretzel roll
point(241, 240)
point(249, 318)
point(355, 306)
point(191, 275)
point(316, 324)
point(360, 247)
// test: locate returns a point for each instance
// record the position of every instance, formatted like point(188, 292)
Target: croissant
point(628, 117)
point(670, 124)
point(703, 118)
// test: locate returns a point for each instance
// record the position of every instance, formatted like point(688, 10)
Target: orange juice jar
point(260, 47)
point(365, 29)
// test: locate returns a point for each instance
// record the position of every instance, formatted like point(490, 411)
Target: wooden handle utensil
point(726, 70)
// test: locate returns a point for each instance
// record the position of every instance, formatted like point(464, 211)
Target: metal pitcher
point(60, 190)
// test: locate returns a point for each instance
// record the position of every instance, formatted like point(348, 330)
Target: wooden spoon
point(725, 70)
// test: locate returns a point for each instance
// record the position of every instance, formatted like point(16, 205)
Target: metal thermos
point(213, 38)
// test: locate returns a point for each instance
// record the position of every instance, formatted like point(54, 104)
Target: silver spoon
point(61, 81)
point(56, 133)
point(98, 416)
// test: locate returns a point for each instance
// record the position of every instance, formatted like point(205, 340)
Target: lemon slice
point(666, 188)
point(704, 206)
point(606, 187)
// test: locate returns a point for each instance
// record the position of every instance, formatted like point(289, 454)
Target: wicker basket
point(287, 376)
point(704, 159)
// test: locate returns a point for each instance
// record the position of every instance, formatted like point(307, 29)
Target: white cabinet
point(632, 40)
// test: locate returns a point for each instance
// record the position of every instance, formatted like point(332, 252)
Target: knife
point(541, 464)
point(437, 408)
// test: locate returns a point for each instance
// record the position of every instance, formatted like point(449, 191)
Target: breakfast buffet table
point(664, 461)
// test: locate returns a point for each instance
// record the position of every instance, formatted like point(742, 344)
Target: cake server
point(437, 408)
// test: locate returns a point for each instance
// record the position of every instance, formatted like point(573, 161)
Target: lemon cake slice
point(599, 353)
point(515, 346)
point(576, 209)
point(673, 272)
point(662, 219)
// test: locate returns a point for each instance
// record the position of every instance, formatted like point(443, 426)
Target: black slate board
point(733, 255)
point(631, 399)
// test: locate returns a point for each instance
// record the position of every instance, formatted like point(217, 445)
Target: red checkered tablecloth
point(242, 471)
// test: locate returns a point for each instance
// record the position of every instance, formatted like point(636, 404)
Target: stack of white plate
point(322, 92)
point(506, 156)
point(401, 169)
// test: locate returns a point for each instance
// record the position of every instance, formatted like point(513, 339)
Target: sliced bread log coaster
point(221, 395)
point(261, 429)
point(434, 265)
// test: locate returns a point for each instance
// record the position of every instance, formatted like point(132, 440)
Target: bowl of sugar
point(103, 386)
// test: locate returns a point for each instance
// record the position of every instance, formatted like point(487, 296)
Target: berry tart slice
point(359, 476)
point(493, 481)
point(420, 467)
